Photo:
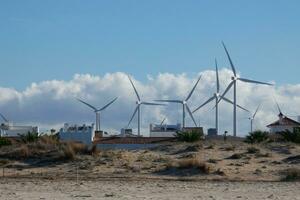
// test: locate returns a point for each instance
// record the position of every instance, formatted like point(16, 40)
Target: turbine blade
point(206, 102)
point(256, 111)
point(163, 121)
point(228, 56)
point(252, 81)
point(217, 75)
point(169, 101)
point(227, 89)
point(2, 116)
point(229, 101)
point(89, 105)
point(191, 114)
point(192, 91)
point(136, 109)
point(104, 107)
point(152, 104)
point(137, 94)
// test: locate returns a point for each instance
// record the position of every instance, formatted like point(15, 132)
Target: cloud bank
point(51, 103)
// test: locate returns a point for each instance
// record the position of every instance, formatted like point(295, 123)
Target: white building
point(282, 124)
point(10, 130)
point(164, 130)
point(84, 134)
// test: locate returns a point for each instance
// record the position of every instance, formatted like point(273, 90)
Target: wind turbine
point(138, 105)
point(253, 117)
point(184, 104)
point(97, 111)
point(233, 83)
point(217, 98)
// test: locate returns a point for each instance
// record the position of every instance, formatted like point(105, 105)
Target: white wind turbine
point(233, 83)
point(253, 117)
point(138, 105)
point(217, 98)
point(184, 104)
point(97, 111)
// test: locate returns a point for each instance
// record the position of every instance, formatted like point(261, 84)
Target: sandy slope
point(68, 189)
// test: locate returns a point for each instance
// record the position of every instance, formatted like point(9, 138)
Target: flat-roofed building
point(164, 130)
point(11, 130)
point(76, 133)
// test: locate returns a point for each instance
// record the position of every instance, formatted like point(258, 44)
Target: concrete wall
point(163, 134)
point(277, 129)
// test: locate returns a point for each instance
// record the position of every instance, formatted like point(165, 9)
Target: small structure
point(282, 124)
point(84, 133)
point(212, 132)
point(126, 132)
point(10, 130)
point(164, 130)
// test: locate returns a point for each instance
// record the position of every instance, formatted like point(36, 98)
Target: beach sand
point(32, 189)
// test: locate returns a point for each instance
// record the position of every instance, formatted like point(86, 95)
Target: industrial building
point(84, 133)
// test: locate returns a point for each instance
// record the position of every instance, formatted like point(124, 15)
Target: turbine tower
point(253, 117)
point(233, 83)
point(184, 104)
point(97, 111)
point(217, 97)
point(138, 109)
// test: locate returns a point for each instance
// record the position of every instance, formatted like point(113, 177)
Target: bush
point(257, 137)
point(252, 150)
point(4, 141)
point(289, 136)
point(292, 174)
point(189, 136)
point(189, 164)
point(29, 137)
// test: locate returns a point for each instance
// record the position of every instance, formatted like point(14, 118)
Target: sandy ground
point(143, 189)
point(236, 171)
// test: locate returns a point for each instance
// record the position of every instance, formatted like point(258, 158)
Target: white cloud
point(51, 103)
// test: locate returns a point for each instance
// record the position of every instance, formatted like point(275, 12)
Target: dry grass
point(189, 164)
point(77, 147)
point(230, 148)
point(45, 139)
point(253, 150)
point(4, 162)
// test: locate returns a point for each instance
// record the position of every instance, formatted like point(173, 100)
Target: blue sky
point(45, 40)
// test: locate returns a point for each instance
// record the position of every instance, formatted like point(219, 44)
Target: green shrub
point(289, 136)
point(292, 174)
point(4, 141)
point(29, 137)
point(189, 136)
point(257, 137)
